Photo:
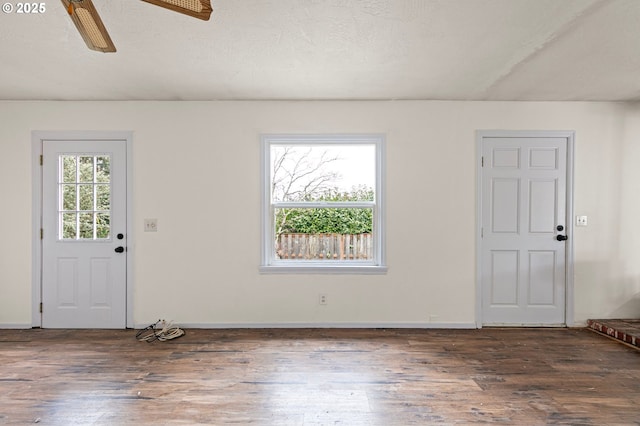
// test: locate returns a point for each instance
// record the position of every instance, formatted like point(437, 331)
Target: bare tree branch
point(298, 176)
point(304, 178)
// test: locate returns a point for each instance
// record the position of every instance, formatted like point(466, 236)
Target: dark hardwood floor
point(319, 377)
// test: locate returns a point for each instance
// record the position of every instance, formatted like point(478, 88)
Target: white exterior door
point(84, 234)
point(523, 224)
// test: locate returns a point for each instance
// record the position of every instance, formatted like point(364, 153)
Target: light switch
point(151, 225)
point(581, 221)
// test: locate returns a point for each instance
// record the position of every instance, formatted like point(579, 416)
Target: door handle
point(121, 249)
point(562, 238)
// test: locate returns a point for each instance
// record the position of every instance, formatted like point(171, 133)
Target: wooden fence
point(324, 246)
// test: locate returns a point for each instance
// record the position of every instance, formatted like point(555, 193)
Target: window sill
point(324, 269)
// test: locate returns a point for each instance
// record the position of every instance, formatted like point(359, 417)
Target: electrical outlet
point(151, 225)
point(581, 220)
point(322, 299)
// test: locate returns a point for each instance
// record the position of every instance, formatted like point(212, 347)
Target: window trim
point(268, 262)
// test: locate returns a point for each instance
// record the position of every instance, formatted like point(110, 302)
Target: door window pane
point(86, 169)
point(86, 226)
point(103, 197)
point(69, 197)
point(69, 169)
point(86, 197)
point(103, 225)
point(69, 226)
point(103, 169)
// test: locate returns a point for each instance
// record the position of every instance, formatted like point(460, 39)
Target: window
point(84, 194)
point(322, 206)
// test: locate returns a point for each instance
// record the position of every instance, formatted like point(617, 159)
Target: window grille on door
point(84, 193)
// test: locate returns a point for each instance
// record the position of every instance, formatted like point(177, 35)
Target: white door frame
point(570, 136)
point(37, 138)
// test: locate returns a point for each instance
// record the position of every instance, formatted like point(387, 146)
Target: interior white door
point(84, 234)
point(524, 190)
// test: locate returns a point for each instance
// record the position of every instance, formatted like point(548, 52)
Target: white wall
point(202, 158)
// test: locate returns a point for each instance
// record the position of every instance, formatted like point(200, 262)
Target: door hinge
point(41, 160)
point(481, 232)
point(40, 307)
point(41, 233)
point(481, 161)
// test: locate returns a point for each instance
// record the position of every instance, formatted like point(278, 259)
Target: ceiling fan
point(86, 19)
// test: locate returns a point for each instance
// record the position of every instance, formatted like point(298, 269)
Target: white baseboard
point(417, 325)
point(14, 326)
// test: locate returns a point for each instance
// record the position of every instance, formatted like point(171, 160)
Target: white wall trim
point(479, 137)
point(37, 136)
point(16, 326)
point(36, 225)
point(569, 253)
point(335, 270)
point(570, 224)
point(363, 325)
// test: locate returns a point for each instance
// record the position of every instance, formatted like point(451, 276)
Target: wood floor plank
point(318, 377)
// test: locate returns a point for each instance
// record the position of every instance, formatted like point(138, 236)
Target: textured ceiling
point(331, 49)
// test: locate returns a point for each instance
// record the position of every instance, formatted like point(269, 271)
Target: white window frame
point(270, 264)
